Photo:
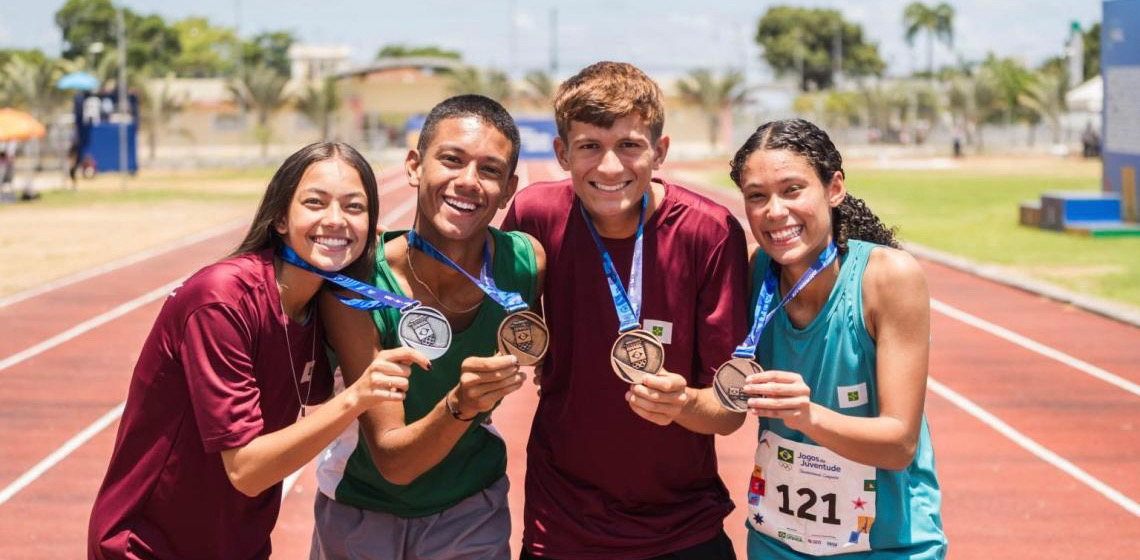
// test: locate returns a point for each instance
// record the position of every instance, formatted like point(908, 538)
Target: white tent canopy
point(1087, 97)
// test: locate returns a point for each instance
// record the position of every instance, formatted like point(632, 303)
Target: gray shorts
point(476, 528)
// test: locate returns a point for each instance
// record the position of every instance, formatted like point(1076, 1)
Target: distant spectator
point(73, 162)
point(7, 169)
point(1090, 142)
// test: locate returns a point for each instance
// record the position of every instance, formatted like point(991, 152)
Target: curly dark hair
point(852, 219)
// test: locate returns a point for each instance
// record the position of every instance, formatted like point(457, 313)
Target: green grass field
point(974, 214)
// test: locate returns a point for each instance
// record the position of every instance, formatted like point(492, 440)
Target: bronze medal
point(425, 329)
point(635, 354)
point(524, 335)
point(728, 385)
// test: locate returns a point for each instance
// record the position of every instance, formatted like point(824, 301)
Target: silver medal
point(636, 354)
point(728, 385)
point(425, 329)
point(525, 336)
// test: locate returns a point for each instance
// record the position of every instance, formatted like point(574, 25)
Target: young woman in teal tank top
point(844, 461)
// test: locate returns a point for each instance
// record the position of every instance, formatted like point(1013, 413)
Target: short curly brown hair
point(604, 92)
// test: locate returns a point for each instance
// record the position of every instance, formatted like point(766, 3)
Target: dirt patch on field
point(56, 237)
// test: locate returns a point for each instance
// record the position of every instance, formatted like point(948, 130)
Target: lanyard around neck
point(510, 301)
point(376, 298)
point(768, 291)
point(628, 306)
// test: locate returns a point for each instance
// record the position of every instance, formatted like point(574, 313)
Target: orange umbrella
point(18, 125)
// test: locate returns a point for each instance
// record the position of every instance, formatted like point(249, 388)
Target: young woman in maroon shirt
point(211, 427)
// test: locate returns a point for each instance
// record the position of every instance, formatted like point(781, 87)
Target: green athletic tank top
point(479, 457)
point(835, 351)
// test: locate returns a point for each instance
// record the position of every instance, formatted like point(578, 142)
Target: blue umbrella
point(78, 80)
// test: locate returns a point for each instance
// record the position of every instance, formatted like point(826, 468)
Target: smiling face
point(327, 220)
point(611, 168)
point(463, 177)
point(788, 207)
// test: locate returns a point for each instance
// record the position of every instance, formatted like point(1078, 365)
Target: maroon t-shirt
point(213, 375)
point(602, 482)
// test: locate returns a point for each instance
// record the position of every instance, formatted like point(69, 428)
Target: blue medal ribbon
point(628, 306)
point(377, 298)
point(768, 290)
point(510, 301)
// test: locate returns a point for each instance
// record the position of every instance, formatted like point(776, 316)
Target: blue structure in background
point(1113, 211)
point(535, 133)
point(1120, 66)
point(97, 137)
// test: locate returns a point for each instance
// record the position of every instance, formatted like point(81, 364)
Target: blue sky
point(659, 35)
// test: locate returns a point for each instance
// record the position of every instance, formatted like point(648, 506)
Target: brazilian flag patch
point(785, 455)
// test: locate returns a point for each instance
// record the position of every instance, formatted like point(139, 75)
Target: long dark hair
point(279, 194)
point(852, 219)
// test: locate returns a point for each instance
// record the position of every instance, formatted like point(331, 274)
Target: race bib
point(810, 498)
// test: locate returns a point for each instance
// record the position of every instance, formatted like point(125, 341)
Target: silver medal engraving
point(525, 336)
point(425, 329)
point(728, 385)
point(636, 354)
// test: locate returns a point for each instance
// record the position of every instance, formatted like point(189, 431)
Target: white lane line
point(398, 212)
point(523, 171)
point(127, 261)
point(287, 484)
point(77, 441)
point(99, 425)
point(89, 324)
point(60, 454)
point(1034, 346)
point(390, 184)
point(1035, 448)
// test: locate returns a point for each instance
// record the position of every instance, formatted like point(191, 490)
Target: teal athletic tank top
point(836, 357)
point(479, 457)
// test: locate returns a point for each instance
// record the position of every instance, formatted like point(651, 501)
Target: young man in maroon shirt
point(618, 470)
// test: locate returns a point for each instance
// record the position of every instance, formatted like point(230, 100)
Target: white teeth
point(785, 234)
point(332, 241)
point(610, 188)
point(461, 204)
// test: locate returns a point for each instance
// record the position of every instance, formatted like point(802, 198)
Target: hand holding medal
point(636, 353)
point(728, 385)
point(522, 334)
point(421, 328)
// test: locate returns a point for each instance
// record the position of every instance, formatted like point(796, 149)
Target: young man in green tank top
point(426, 477)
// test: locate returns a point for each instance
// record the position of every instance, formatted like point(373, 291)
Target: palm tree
point(31, 86)
point(491, 83)
point(936, 21)
point(157, 106)
point(539, 88)
point(714, 96)
point(319, 103)
point(262, 89)
point(1044, 96)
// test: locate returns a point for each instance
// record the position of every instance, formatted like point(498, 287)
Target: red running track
point(1068, 489)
